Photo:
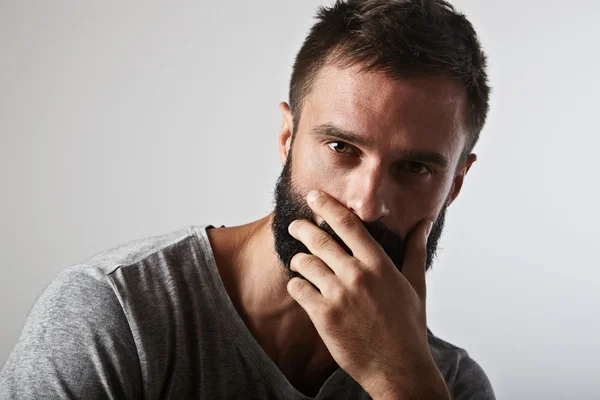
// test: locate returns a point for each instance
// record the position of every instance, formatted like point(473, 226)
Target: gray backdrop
point(120, 120)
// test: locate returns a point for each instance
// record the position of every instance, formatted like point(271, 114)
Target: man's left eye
point(416, 168)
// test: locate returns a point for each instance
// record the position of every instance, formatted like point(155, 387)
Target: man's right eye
point(340, 147)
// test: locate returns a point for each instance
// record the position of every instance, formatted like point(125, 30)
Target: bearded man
point(325, 297)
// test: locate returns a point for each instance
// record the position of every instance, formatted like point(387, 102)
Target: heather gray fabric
point(151, 319)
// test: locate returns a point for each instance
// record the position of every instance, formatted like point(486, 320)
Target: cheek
point(312, 169)
point(411, 206)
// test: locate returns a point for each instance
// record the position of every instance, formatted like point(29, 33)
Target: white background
point(120, 121)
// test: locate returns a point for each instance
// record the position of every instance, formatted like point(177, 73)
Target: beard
point(290, 205)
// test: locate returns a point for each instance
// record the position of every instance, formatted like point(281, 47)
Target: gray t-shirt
point(152, 319)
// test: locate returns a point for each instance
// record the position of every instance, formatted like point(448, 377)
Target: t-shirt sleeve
point(76, 343)
point(471, 382)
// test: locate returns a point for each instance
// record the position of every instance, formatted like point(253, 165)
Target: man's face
point(386, 149)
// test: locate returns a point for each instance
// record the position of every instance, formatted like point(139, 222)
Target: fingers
point(345, 223)
point(313, 269)
point(321, 244)
point(305, 294)
point(315, 272)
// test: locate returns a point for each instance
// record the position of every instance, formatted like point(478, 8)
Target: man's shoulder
point(138, 251)
point(83, 329)
point(465, 377)
point(116, 297)
point(136, 271)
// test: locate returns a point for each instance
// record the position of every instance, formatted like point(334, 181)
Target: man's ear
point(285, 134)
point(459, 178)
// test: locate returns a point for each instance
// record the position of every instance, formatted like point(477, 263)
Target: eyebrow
point(332, 131)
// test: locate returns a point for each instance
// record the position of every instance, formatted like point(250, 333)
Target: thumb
point(415, 258)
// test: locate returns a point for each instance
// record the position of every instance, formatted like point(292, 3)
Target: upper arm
point(76, 343)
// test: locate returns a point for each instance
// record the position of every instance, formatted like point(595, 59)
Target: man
point(387, 100)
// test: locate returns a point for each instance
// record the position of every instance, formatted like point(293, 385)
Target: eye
point(416, 168)
point(340, 147)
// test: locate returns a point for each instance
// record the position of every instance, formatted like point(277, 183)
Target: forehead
point(416, 112)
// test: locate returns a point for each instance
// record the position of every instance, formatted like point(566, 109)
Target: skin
point(371, 179)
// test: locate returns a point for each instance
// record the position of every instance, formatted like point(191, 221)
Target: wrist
point(426, 385)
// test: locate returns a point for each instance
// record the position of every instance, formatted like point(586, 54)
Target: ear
point(460, 178)
point(285, 134)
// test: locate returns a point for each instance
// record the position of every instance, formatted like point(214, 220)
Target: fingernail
point(290, 225)
point(312, 196)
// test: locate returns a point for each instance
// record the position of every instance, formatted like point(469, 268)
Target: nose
point(366, 194)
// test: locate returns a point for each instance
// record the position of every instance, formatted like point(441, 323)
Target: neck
point(255, 280)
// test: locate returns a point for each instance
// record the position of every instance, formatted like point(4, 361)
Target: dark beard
point(290, 205)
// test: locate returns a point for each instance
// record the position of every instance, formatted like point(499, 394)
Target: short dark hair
point(403, 38)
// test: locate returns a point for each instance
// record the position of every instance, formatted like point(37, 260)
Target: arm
point(470, 383)
point(76, 343)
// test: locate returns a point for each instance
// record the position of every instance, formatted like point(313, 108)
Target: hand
point(370, 316)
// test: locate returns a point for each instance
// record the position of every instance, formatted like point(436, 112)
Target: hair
point(402, 38)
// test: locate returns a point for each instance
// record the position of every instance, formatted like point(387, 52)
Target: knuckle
point(336, 295)
point(346, 220)
point(357, 277)
point(322, 240)
point(301, 288)
point(309, 261)
point(332, 315)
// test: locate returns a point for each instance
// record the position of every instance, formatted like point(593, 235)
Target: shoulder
point(91, 281)
point(75, 337)
point(134, 252)
point(118, 286)
point(466, 379)
point(82, 329)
